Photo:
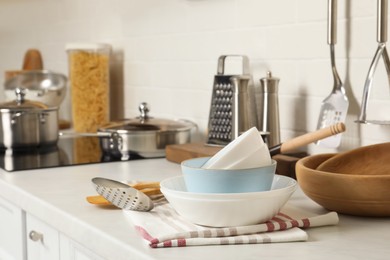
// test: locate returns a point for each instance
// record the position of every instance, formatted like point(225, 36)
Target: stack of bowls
point(227, 197)
point(355, 182)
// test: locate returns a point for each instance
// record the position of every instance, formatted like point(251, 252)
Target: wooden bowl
point(365, 160)
point(359, 195)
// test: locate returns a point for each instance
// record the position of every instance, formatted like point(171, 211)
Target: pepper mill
point(269, 105)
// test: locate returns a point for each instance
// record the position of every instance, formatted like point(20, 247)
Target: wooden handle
point(33, 60)
point(145, 184)
point(306, 139)
point(98, 200)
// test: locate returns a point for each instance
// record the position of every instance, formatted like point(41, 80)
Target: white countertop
point(57, 196)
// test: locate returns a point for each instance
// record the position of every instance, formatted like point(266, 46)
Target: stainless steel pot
point(41, 85)
point(144, 136)
point(26, 123)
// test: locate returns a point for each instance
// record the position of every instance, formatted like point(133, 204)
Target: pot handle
point(112, 136)
point(73, 134)
point(116, 141)
point(42, 117)
point(16, 115)
point(193, 124)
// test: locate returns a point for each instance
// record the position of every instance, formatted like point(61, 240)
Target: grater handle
point(221, 63)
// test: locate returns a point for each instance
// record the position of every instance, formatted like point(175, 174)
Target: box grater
point(232, 109)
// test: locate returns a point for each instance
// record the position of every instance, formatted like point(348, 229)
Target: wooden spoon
point(366, 160)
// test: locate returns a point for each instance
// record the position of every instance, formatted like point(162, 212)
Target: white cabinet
point(12, 230)
point(42, 240)
point(71, 250)
point(25, 237)
point(46, 243)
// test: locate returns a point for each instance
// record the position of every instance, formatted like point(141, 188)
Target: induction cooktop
point(68, 151)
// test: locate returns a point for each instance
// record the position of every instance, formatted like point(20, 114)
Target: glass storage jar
point(89, 85)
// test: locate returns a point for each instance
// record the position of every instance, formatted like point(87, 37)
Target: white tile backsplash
point(165, 53)
point(211, 15)
point(253, 13)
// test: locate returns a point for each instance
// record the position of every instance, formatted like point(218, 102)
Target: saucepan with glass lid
point(145, 136)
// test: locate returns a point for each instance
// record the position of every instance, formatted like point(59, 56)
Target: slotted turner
point(122, 195)
point(334, 107)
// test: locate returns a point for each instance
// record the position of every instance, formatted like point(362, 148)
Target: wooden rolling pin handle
point(308, 138)
point(33, 60)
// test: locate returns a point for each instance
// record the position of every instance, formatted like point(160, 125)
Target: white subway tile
point(211, 15)
point(265, 13)
point(314, 10)
point(359, 8)
point(137, 73)
point(201, 75)
point(363, 38)
point(296, 41)
point(193, 104)
point(168, 17)
point(173, 75)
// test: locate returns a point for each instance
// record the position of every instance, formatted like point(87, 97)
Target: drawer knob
point(35, 236)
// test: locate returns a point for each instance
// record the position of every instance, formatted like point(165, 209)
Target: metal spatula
point(122, 195)
point(334, 107)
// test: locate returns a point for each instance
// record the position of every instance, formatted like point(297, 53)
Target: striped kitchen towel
point(163, 227)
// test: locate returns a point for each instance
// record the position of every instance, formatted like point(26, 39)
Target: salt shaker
point(269, 109)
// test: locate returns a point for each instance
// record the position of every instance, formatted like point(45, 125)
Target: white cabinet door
point(12, 241)
point(42, 240)
point(70, 250)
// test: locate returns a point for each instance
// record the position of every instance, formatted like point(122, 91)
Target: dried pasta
point(86, 150)
point(89, 77)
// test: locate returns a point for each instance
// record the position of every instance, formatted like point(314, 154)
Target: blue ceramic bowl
point(226, 181)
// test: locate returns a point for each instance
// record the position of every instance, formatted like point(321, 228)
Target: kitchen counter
point(57, 197)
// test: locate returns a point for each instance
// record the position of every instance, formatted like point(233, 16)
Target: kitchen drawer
point(42, 240)
point(71, 250)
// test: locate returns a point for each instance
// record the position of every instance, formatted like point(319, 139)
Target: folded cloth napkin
point(163, 227)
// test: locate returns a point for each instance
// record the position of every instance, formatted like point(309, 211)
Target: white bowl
point(228, 209)
point(246, 151)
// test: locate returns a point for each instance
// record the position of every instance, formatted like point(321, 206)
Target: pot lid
point(21, 103)
point(144, 122)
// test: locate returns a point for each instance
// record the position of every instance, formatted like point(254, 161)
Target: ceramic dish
point(229, 209)
point(202, 180)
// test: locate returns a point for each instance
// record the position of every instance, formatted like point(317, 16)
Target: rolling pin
point(306, 139)
point(32, 61)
